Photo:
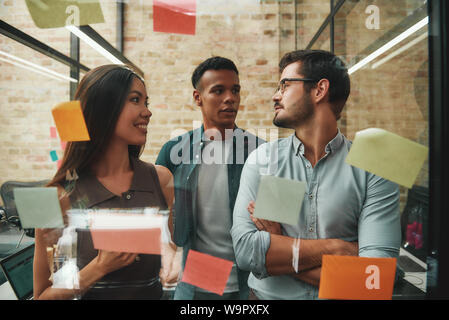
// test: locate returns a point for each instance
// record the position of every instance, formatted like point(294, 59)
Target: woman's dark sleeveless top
point(140, 279)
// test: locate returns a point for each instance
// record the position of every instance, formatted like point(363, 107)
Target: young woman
point(106, 172)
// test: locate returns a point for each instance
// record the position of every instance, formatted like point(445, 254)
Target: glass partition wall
point(384, 44)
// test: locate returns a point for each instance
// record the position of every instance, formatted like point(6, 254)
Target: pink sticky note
point(207, 272)
point(174, 16)
point(53, 132)
point(59, 162)
point(63, 144)
point(146, 241)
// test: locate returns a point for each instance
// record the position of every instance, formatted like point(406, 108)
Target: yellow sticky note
point(70, 122)
point(57, 13)
point(387, 155)
point(357, 278)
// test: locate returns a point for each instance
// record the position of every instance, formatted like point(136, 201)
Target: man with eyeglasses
point(345, 211)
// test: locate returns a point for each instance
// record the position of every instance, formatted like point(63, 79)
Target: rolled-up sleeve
point(379, 225)
point(250, 244)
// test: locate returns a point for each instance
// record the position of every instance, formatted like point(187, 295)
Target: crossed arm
point(279, 256)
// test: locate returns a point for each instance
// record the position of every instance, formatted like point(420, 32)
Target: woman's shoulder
point(162, 172)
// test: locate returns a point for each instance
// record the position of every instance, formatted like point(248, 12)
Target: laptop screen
point(18, 269)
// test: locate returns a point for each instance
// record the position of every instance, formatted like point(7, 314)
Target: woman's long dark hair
point(102, 93)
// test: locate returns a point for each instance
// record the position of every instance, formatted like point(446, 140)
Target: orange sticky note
point(70, 122)
point(357, 278)
point(174, 16)
point(146, 241)
point(207, 272)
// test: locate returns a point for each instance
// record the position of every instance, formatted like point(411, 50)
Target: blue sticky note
point(53, 155)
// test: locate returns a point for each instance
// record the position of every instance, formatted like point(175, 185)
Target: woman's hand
point(108, 261)
point(262, 224)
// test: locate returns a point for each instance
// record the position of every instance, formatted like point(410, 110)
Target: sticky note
point(70, 122)
point(38, 207)
point(59, 162)
point(387, 155)
point(145, 241)
point(63, 145)
point(174, 16)
point(207, 272)
point(53, 155)
point(53, 132)
point(279, 199)
point(357, 278)
point(57, 13)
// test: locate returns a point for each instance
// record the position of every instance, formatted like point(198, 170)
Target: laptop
point(18, 270)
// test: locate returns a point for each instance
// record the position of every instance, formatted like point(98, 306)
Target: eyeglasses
point(282, 83)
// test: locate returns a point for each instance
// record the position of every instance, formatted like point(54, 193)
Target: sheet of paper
point(279, 199)
point(207, 272)
point(357, 278)
point(145, 241)
point(57, 13)
point(38, 207)
point(111, 220)
point(174, 16)
point(387, 155)
point(70, 122)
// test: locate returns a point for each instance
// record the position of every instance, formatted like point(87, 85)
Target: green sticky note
point(279, 199)
point(387, 155)
point(57, 13)
point(38, 207)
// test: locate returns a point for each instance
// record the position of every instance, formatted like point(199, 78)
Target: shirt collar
point(95, 193)
point(331, 146)
point(198, 134)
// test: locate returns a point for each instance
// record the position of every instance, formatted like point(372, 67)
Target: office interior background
point(396, 52)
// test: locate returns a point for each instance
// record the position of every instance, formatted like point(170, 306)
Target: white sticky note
point(279, 199)
point(38, 207)
point(387, 155)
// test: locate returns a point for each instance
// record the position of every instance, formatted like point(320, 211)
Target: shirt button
point(308, 166)
point(128, 196)
point(310, 229)
point(310, 196)
point(137, 258)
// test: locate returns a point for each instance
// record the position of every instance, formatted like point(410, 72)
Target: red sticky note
point(53, 132)
point(147, 241)
point(174, 16)
point(357, 278)
point(207, 272)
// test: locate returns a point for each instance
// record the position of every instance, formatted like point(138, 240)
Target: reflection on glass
point(388, 63)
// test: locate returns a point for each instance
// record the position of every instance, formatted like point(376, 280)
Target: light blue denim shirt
point(341, 201)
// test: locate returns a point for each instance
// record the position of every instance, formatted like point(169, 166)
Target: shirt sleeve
point(379, 228)
point(250, 244)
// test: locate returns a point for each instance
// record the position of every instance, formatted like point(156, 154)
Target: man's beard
point(302, 111)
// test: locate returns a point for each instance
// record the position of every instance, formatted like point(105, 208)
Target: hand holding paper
point(387, 155)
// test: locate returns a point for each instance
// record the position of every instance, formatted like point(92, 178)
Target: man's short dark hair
point(320, 64)
point(214, 63)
